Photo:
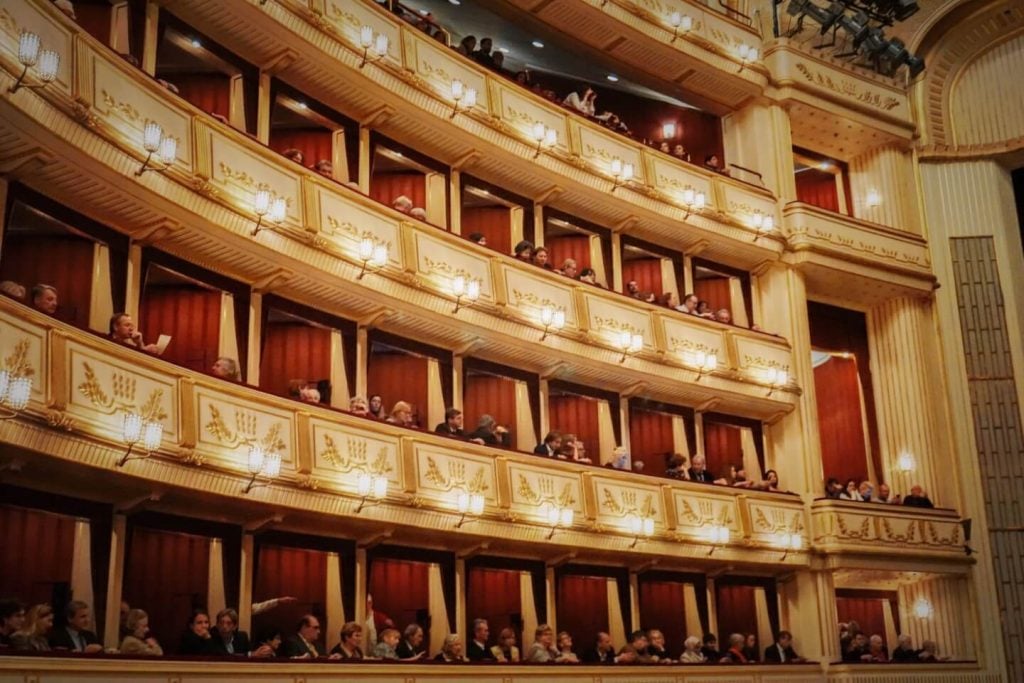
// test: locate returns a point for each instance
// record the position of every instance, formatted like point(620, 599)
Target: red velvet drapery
point(297, 572)
point(577, 415)
point(190, 315)
point(166, 574)
point(493, 222)
point(661, 607)
point(582, 608)
point(840, 420)
point(35, 553)
point(736, 612)
point(650, 438)
point(314, 143)
point(576, 247)
point(817, 188)
point(294, 351)
point(723, 446)
point(400, 590)
point(867, 612)
point(400, 377)
point(209, 92)
point(386, 187)
point(493, 594)
point(646, 272)
point(63, 262)
point(714, 290)
point(490, 395)
point(94, 18)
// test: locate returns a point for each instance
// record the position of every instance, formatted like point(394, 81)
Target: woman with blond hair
point(33, 634)
point(452, 650)
point(139, 641)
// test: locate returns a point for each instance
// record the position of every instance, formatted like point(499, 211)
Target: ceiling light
point(825, 166)
point(455, 2)
point(196, 44)
point(537, 44)
point(303, 105)
point(613, 78)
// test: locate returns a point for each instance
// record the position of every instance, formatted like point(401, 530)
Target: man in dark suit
point(603, 652)
point(550, 447)
point(76, 636)
point(781, 651)
point(302, 645)
point(699, 471)
point(230, 641)
point(477, 651)
point(452, 425)
point(409, 649)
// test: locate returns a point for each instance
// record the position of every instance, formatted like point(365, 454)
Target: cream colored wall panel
point(341, 452)
point(436, 64)
point(756, 355)
point(229, 425)
point(770, 518)
point(126, 106)
point(439, 263)
point(348, 17)
point(743, 203)
point(19, 16)
point(607, 318)
point(521, 112)
point(698, 510)
point(685, 339)
point(347, 222)
point(103, 387)
point(618, 502)
point(442, 475)
point(527, 293)
point(673, 179)
point(982, 108)
point(532, 488)
point(23, 352)
point(600, 148)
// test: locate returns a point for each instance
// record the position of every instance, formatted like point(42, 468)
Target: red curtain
point(386, 187)
point(576, 415)
point(297, 572)
point(650, 437)
point(867, 612)
point(293, 351)
point(490, 395)
point(400, 377)
point(646, 272)
point(165, 574)
point(400, 590)
point(817, 188)
point(714, 290)
point(190, 315)
point(661, 607)
point(314, 143)
point(64, 262)
point(582, 608)
point(493, 594)
point(35, 553)
point(493, 222)
point(209, 92)
point(736, 612)
point(94, 18)
point(840, 421)
point(723, 446)
point(576, 247)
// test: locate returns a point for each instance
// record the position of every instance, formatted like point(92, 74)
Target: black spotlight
point(892, 57)
point(873, 45)
point(904, 9)
point(915, 65)
point(856, 26)
point(826, 18)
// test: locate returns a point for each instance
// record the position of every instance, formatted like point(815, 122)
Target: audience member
point(603, 652)
point(543, 647)
point(524, 251)
point(482, 55)
point(563, 643)
point(197, 639)
point(302, 645)
point(704, 310)
point(850, 491)
point(295, 155)
point(710, 648)
point(377, 407)
point(856, 649)
point(358, 405)
point(551, 445)
point(401, 414)
point(738, 477)
point(734, 655)
point(904, 651)
point(699, 471)
point(34, 632)
point(418, 213)
point(574, 449)
point(139, 641)
point(386, 645)
point(665, 147)
point(226, 368)
point(569, 268)
point(76, 636)
point(865, 492)
point(621, 459)
point(713, 163)
point(781, 651)
point(929, 652)
point(13, 290)
point(452, 425)
point(325, 168)
point(409, 649)
point(478, 238)
point(589, 275)
point(12, 619)
point(584, 104)
point(268, 640)
point(723, 315)
point(877, 649)
point(506, 651)
point(349, 646)
point(692, 651)
point(885, 495)
point(44, 299)
point(498, 58)
point(771, 481)
point(451, 651)
point(676, 467)
point(918, 498)
point(833, 489)
point(304, 390)
point(477, 650)
point(466, 46)
point(690, 302)
point(122, 331)
point(228, 640)
point(490, 432)
point(402, 204)
point(680, 152)
point(656, 646)
point(750, 648)
point(633, 289)
point(540, 258)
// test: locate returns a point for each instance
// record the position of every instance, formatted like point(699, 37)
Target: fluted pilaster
point(884, 189)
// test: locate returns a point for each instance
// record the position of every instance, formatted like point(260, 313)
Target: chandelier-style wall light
point(15, 392)
point(371, 487)
point(463, 97)
point(628, 343)
point(552, 319)
point(266, 204)
point(680, 23)
point(159, 147)
point(262, 461)
point(546, 138)
point(375, 46)
point(30, 54)
point(763, 223)
point(373, 254)
point(621, 172)
point(694, 201)
point(465, 290)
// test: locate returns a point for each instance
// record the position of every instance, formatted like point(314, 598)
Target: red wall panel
point(296, 572)
point(576, 415)
point(386, 187)
point(400, 589)
point(191, 315)
point(570, 246)
point(209, 92)
point(736, 612)
point(293, 351)
point(646, 272)
point(661, 607)
point(64, 262)
point(840, 420)
point(723, 446)
point(817, 188)
point(490, 395)
point(582, 608)
point(400, 377)
point(714, 290)
point(494, 222)
point(35, 553)
point(493, 594)
point(867, 612)
point(315, 144)
point(650, 438)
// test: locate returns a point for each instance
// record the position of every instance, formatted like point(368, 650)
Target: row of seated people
point(867, 492)
point(857, 646)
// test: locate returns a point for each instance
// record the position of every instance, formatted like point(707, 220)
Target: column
point(252, 358)
point(362, 360)
point(115, 576)
point(134, 284)
point(807, 606)
point(758, 137)
point(245, 579)
point(461, 625)
point(264, 108)
point(884, 188)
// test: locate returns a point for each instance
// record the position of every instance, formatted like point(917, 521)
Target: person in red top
point(735, 653)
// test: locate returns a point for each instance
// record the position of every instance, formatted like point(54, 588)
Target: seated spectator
point(122, 331)
point(386, 645)
point(524, 251)
point(723, 315)
point(885, 495)
point(679, 152)
point(930, 653)
point(665, 147)
point(228, 640)
point(637, 645)
point(197, 639)
point(856, 649)
point(589, 275)
point(563, 643)
point(401, 414)
point(304, 391)
point(76, 636)
point(34, 632)
point(750, 648)
point(699, 471)
point(638, 465)
point(713, 163)
point(738, 477)
point(877, 649)
point(603, 652)
point(402, 204)
point(452, 425)
point(691, 651)
point(543, 648)
point(12, 619)
point(540, 258)
point(490, 432)
point(850, 491)
point(451, 651)
point(349, 646)
point(710, 648)
point(267, 641)
point(704, 310)
point(656, 646)
point(139, 641)
point(66, 7)
point(418, 213)
point(621, 459)
point(734, 655)
point(478, 238)
point(771, 481)
point(302, 645)
point(551, 445)
point(585, 104)
point(13, 290)
point(377, 407)
point(409, 649)
point(295, 155)
point(676, 467)
point(325, 168)
point(918, 498)
point(506, 651)
point(226, 368)
point(690, 302)
point(358, 405)
point(633, 289)
point(904, 651)
point(574, 449)
point(466, 46)
point(477, 650)
point(781, 651)
point(669, 300)
point(498, 57)
point(833, 489)
point(865, 492)
point(44, 299)
point(569, 268)
point(482, 55)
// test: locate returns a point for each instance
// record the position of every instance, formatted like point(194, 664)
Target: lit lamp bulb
point(923, 608)
point(458, 90)
point(168, 151)
point(380, 45)
point(365, 37)
point(465, 290)
point(261, 202)
point(705, 362)
point(380, 486)
point(5, 381)
point(49, 63)
point(256, 459)
point(151, 136)
point(135, 429)
point(747, 54)
point(551, 319)
point(679, 22)
point(762, 223)
point(668, 130)
point(272, 466)
point(28, 49)
point(873, 199)
point(278, 209)
point(372, 253)
point(366, 246)
point(364, 484)
point(693, 201)
point(566, 516)
point(152, 436)
point(459, 286)
point(30, 55)
point(905, 463)
point(131, 429)
point(19, 390)
point(379, 258)
point(539, 130)
point(473, 290)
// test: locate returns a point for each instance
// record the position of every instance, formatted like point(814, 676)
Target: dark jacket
point(703, 476)
point(294, 646)
point(443, 428)
point(711, 654)
point(542, 449)
point(357, 654)
point(902, 655)
point(60, 639)
point(772, 654)
point(404, 650)
point(918, 501)
point(191, 644)
point(240, 645)
point(593, 656)
point(489, 437)
point(475, 653)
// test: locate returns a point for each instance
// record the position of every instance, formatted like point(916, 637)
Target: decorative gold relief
point(356, 457)
point(613, 325)
point(17, 364)
point(704, 513)
point(546, 493)
point(909, 537)
point(203, 186)
point(936, 539)
point(121, 395)
point(307, 481)
point(345, 17)
point(861, 534)
point(84, 114)
point(778, 522)
point(847, 88)
point(456, 476)
point(58, 419)
point(445, 268)
point(762, 362)
point(191, 457)
point(240, 178)
point(435, 71)
point(533, 299)
point(244, 432)
point(626, 503)
point(124, 109)
point(677, 344)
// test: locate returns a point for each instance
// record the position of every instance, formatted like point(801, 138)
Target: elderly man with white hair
point(691, 651)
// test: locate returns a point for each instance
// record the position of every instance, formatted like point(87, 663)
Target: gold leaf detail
point(17, 364)
point(847, 88)
point(124, 109)
point(58, 419)
point(909, 537)
point(861, 534)
point(606, 324)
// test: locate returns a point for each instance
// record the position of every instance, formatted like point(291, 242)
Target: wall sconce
point(717, 535)
point(557, 516)
point(747, 55)
point(628, 343)
point(923, 608)
point(30, 55)
point(679, 22)
point(622, 173)
point(468, 504)
point(465, 290)
point(905, 463)
point(266, 203)
point(545, 137)
point(15, 391)
point(155, 143)
point(262, 461)
point(668, 131)
point(465, 98)
point(640, 527)
point(776, 378)
point(375, 45)
point(873, 199)
point(693, 201)
point(704, 362)
point(551, 319)
point(788, 542)
point(136, 429)
point(372, 254)
point(763, 223)
point(370, 487)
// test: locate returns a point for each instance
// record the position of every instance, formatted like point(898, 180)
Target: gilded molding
point(848, 88)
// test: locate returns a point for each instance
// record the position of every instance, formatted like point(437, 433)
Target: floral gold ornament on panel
point(638, 519)
point(554, 510)
point(368, 476)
